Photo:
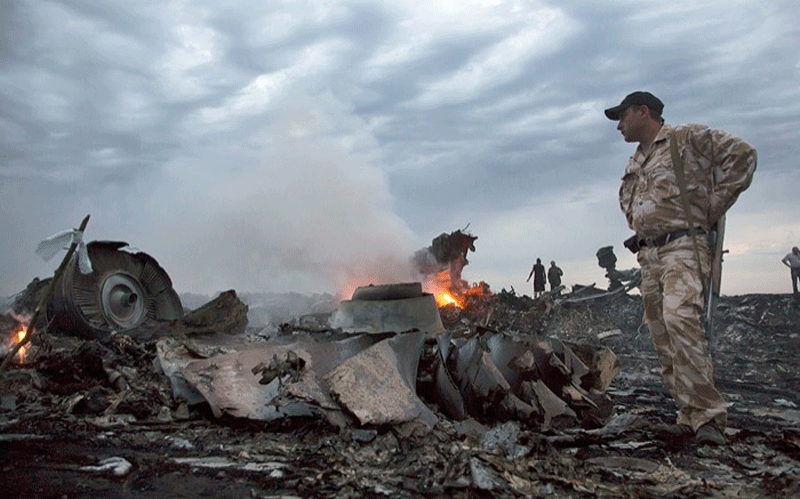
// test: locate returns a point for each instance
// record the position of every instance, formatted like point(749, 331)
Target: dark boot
point(710, 434)
point(673, 433)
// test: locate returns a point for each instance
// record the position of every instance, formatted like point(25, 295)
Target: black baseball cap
point(636, 99)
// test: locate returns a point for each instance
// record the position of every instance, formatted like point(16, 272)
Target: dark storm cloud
point(229, 140)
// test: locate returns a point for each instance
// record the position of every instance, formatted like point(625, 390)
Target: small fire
point(15, 339)
point(22, 350)
point(444, 298)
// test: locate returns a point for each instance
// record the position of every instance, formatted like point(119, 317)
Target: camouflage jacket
point(717, 167)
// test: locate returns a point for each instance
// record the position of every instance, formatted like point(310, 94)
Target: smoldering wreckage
point(127, 392)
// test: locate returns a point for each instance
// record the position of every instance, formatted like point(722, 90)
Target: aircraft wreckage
point(390, 373)
point(386, 358)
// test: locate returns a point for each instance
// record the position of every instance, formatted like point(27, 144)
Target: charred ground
point(56, 429)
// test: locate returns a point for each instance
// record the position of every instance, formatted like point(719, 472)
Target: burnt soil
point(61, 417)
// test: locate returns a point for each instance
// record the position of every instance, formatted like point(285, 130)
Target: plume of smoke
point(301, 205)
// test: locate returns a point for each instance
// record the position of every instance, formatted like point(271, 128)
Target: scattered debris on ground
point(515, 397)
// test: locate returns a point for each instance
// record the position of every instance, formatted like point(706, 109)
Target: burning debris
point(441, 263)
point(17, 327)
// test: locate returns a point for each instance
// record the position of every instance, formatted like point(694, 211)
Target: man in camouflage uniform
point(717, 168)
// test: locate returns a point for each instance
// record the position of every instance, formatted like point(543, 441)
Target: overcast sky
point(309, 145)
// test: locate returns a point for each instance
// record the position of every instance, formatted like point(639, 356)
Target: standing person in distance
point(537, 271)
point(792, 260)
point(554, 275)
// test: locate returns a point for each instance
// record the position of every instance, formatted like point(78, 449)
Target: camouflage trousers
point(672, 295)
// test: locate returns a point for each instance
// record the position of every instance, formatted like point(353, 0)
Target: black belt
point(657, 242)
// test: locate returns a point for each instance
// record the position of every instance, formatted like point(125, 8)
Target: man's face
point(631, 122)
point(795, 250)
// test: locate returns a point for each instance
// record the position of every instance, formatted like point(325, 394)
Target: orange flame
point(17, 338)
point(439, 286)
point(444, 298)
point(22, 350)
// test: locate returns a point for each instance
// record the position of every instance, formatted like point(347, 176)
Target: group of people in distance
point(537, 272)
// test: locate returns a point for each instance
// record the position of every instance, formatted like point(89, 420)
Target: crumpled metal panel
point(482, 385)
point(171, 358)
point(371, 380)
point(552, 405)
point(499, 377)
point(504, 350)
point(230, 386)
point(553, 371)
point(448, 396)
point(378, 385)
point(571, 361)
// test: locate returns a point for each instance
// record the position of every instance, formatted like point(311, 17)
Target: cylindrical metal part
point(123, 292)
